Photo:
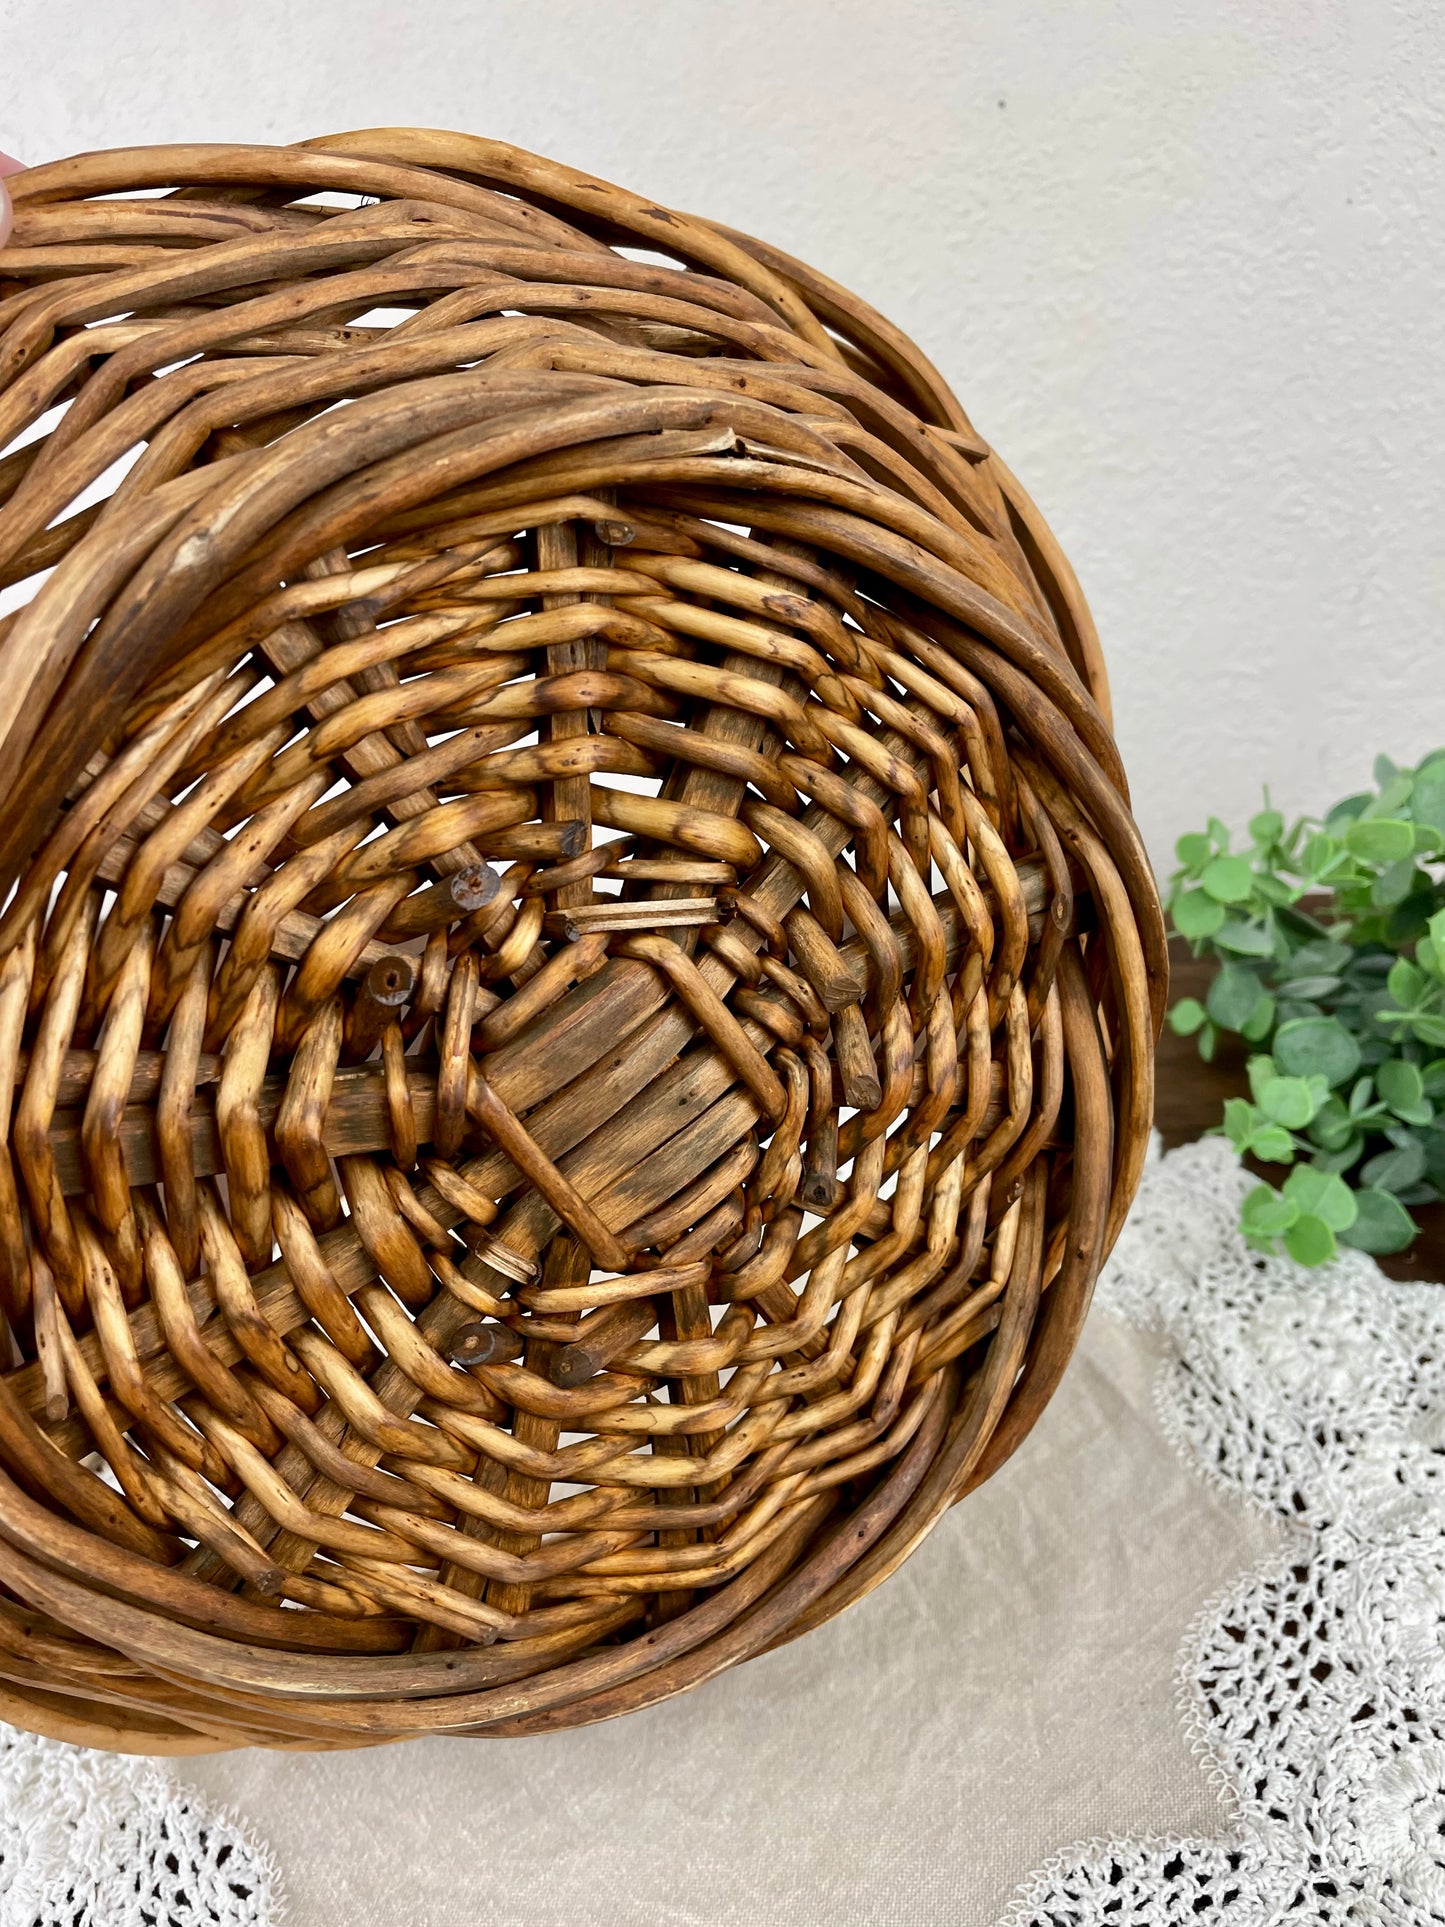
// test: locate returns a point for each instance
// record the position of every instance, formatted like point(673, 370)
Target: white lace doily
point(97, 1840)
point(1315, 1688)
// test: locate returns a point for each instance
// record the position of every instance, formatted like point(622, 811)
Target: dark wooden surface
point(1190, 1096)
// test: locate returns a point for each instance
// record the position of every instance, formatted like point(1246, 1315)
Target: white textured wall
point(1183, 263)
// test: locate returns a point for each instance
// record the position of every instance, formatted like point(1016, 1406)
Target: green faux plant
point(1344, 1002)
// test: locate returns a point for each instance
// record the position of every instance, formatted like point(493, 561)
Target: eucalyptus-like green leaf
point(1260, 1070)
point(1264, 1213)
point(1345, 812)
point(1244, 939)
point(1307, 989)
point(1382, 1224)
point(1341, 1158)
point(1240, 1118)
point(1322, 1193)
point(1232, 997)
point(1288, 1101)
point(1272, 1144)
point(1332, 1127)
point(1317, 1045)
point(1309, 1240)
point(1321, 955)
point(1427, 799)
point(1403, 1089)
point(1433, 1142)
point(1267, 827)
point(1194, 851)
point(1394, 883)
point(1260, 1021)
point(1319, 855)
point(1197, 916)
point(1290, 1010)
point(1401, 1085)
point(1187, 1016)
point(1227, 879)
point(1379, 839)
point(1396, 1169)
point(1394, 794)
point(1407, 983)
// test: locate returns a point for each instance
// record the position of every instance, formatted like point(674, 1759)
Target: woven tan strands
point(577, 983)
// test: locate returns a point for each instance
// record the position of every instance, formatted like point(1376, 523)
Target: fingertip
point(8, 165)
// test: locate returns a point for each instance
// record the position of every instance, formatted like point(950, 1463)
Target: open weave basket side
point(577, 984)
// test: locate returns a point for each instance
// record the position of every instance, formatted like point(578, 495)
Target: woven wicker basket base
point(578, 986)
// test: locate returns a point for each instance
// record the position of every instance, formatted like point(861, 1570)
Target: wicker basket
point(578, 986)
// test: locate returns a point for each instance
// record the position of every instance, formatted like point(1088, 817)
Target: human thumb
point(7, 166)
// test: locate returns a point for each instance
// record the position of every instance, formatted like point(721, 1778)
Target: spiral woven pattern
point(577, 984)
